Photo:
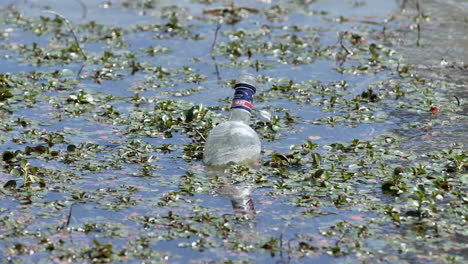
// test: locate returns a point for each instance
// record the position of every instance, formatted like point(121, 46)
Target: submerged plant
point(28, 172)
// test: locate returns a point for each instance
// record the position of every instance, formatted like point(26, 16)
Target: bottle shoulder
point(232, 125)
point(233, 131)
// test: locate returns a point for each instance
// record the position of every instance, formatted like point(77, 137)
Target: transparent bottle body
point(232, 141)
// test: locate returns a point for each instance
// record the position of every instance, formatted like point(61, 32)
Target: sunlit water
point(444, 38)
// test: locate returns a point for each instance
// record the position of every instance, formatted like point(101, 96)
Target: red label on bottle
point(244, 103)
point(243, 97)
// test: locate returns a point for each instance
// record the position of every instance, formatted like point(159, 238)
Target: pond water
point(361, 109)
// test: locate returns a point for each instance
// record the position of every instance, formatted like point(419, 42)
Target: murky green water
point(361, 111)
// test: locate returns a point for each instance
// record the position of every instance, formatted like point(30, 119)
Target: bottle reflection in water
point(234, 140)
point(240, 196)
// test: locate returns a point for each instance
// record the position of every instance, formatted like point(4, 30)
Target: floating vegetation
point(105, 111)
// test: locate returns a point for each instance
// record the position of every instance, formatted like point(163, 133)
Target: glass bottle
point(234, 140)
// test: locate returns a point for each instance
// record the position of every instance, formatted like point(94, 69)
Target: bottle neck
point(242, 103)
point(240, 115)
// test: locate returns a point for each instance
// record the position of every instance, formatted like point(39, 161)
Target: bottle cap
point(246, 80)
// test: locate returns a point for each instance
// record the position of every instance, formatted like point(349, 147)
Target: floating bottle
point(234, 140)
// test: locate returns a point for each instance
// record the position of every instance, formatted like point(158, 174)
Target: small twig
point(85, 9)
point(200, 134)
point(403, 4)
point(218, 76)
point(340, 40)
point(67, 22)
point(69, 216)
point(418, 27)
point(419, 18)
point(290, 249)
point(419, 9)
point(78, 75)
point(214, 40)
point(384, 33)
point(344, 47)
point(212, 51)
point(281, 244)
point(458, 100)
point(342, 57)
